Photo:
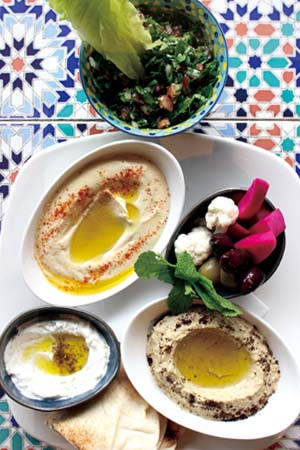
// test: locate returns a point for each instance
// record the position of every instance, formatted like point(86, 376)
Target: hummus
point(56, 359)
point(99, 220)
point(214, 366)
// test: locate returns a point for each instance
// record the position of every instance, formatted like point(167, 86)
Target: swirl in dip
point(214, 366)
point(99, 220)
point(56, 358)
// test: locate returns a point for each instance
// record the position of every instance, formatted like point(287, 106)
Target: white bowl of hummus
point(54, 358)
point(228, 377)
point(99, 215)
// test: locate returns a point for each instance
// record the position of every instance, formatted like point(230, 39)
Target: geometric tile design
point(38, 63)
point(39, 76)
point(264, 49)
point(42, 102)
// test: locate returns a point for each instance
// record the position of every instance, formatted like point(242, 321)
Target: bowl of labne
point(90, 226)
point(221, 375)
point(54, 358)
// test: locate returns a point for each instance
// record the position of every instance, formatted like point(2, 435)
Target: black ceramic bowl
point(268, 266)
point(55, 313)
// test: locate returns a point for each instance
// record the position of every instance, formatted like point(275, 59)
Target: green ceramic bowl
point(213, 34)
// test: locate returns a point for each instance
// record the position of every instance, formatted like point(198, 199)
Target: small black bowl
point(191, 220)
point(55, 313)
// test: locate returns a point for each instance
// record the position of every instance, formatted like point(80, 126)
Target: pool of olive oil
point(211, 358)
point(96, 234)
point(59, 354)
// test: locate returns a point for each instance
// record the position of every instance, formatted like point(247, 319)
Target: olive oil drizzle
point(212, 358)
point(102, 227)
point(60, 354)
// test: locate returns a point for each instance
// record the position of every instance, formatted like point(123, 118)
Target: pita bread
point(171, 436)
point(116, 419)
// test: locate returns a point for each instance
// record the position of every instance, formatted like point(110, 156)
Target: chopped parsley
point(180, 73)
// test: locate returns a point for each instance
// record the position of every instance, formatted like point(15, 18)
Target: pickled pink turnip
point(274, 221)
point(259, 245)
point(252, 201)
point(237, 231)
point(220, 243)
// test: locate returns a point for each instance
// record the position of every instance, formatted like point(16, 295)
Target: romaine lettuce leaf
point(113, 27)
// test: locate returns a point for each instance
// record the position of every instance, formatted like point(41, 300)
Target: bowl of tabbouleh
point(184, 72)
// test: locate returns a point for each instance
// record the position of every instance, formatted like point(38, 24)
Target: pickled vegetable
point(252, 201)
point(237, 231)
point(220, 243)
point(273, 221)
point(259, 245)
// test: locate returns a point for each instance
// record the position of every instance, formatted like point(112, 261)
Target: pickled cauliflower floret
point(196, 243)
point(221, 213)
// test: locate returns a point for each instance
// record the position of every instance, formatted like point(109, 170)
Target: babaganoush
point(56, 358)
point(99, 220)
point(214, 366)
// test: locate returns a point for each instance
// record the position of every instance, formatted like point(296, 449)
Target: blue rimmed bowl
point(214, 35)
point(39, 315)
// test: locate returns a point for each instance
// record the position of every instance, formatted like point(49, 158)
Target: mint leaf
point(207, 299)
point(189, 290)
point(225, 306)
point(214, 301)
point(205, 282)
point(229, 308)
point(150, 264)
point(185, 268)
point(178, 301)
point(187, 283)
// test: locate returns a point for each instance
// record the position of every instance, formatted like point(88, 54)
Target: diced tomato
point(186, 83)
point(163, 123)
point(165, 102)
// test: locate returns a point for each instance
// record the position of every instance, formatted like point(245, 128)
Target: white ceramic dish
point(286, 397)
point(169, 166)
point(208, 163)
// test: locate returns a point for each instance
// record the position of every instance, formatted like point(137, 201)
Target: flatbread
point(171, 436)
point(116, 419)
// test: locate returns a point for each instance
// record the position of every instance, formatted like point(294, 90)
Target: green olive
point(211, 269)
point(228, 279)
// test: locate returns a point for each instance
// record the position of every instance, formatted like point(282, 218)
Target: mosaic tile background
point(42, 103)
point(39, 74)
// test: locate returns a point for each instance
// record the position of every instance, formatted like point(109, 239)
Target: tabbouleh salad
point(180, 73)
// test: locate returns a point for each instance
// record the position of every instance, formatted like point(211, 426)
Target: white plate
point(208, 164)
point(286, 397)
point(172, 172)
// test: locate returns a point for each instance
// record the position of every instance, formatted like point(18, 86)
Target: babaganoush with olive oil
point(214, 366)
point(56, 358)
point(99, 220)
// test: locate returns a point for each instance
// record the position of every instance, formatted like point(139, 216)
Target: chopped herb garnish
point(180, 72)
point(187, 283)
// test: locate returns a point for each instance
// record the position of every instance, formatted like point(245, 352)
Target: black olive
point(236, 260)
point(253, 278)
